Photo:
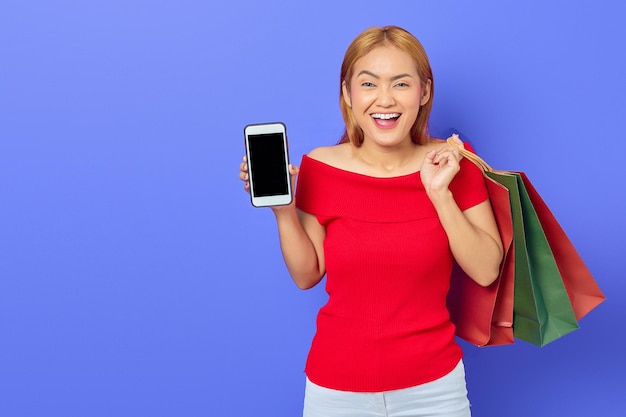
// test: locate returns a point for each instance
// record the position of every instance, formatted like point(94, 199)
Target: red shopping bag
point(483, 316)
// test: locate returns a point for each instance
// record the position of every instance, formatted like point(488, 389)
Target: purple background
point(137, 280)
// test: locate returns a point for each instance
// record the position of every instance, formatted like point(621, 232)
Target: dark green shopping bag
point(542, 311)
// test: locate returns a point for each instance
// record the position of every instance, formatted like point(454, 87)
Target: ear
point(346, 93)
point(426, 93)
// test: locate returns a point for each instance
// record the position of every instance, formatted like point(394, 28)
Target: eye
point(402, 84)
point(367, 84)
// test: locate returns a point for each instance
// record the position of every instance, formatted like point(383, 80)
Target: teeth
point(385, 116)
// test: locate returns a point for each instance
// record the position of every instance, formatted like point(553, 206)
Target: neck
point(388, 159)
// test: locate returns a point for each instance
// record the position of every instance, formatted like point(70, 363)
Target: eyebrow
point(394, 78)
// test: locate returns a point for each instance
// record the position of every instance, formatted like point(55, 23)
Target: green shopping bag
point(542, 311)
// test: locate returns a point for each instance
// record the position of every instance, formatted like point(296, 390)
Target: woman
point(383, 214)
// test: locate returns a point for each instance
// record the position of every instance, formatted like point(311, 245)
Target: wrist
point(440, 196)
point(284, 212)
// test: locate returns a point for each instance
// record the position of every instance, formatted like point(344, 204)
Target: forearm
point(478, 252)
point(299, 253)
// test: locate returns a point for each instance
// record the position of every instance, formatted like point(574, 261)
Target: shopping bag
point(483, 316)
point(553, 288)
point(583, 291)
point(542, 311)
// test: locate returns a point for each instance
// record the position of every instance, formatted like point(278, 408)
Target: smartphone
point(268, 164)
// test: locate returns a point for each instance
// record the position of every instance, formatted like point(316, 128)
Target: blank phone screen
point(268, 165)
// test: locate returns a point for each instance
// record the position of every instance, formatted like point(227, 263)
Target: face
point(385, 94)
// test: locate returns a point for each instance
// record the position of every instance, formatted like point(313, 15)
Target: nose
point(385, 97)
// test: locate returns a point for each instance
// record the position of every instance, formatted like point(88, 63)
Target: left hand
point(440, 166)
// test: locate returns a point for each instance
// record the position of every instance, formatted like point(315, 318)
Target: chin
point(390, 138)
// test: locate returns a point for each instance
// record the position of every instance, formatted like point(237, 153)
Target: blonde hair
point(361, 46)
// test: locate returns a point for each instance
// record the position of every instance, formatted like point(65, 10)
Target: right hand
point(245, 177)
point(243, 174)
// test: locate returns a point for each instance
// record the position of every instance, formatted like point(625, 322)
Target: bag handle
point(475, 159)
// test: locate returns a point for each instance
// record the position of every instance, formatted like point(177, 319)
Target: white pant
point(446, 396)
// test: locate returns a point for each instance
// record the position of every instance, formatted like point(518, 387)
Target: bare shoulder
point(434, 143)
point(336, 155)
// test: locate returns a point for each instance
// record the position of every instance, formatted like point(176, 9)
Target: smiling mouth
point(385, 119)
point(385, 116)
